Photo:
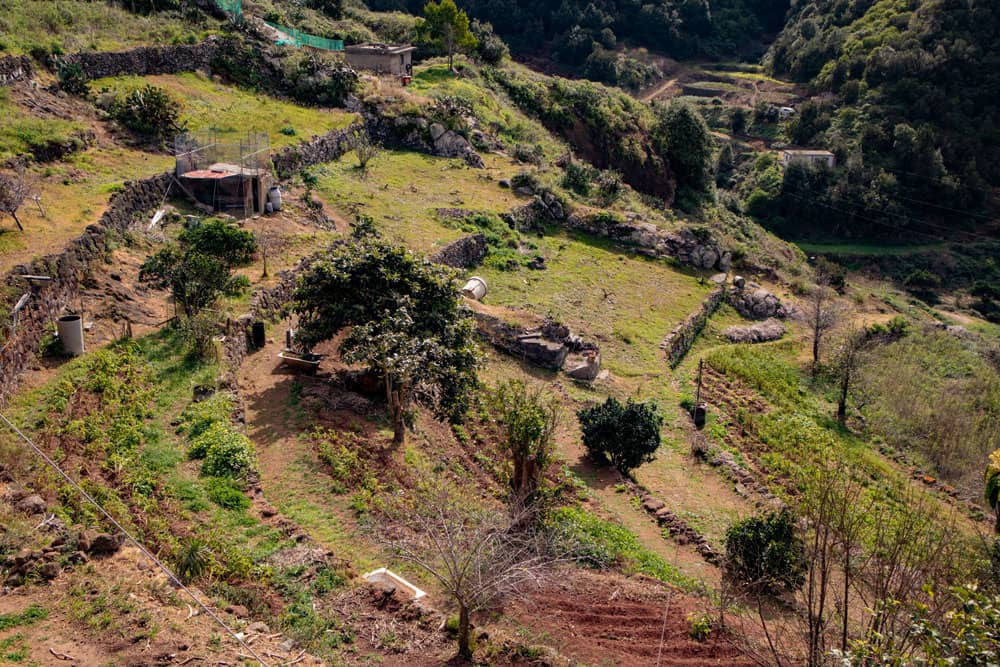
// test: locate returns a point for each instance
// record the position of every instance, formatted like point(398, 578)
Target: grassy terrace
point(625, 301)
point(82, 25)
point(209, 105)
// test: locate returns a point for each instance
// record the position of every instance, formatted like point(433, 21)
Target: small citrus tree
point(628, 435)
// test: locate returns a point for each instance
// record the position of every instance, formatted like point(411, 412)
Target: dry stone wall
point(148, 60)
point(465, 253)
point(324, 148)
point(67, 269)
point(679, 341)
point(14, 69)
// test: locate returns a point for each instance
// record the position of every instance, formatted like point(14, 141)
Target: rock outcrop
point(14, 69)
point(548, 346)
point(755, 303)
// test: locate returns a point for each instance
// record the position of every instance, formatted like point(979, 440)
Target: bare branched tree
point(15, 188)
point(821, 315)
point(473, 553)
point(847, 361)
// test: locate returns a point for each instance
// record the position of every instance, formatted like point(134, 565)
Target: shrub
point(491, 49)
point(578, 177)
point(609, 186)
point(701, 626)
point(71, 78)
point(227, 494)
point(628, 435)
point(220, 239)
point(198, 417)
point(226, 452)
point(764, 554)
point(149, 111)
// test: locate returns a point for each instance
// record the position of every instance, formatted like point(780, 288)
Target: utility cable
point(177, 582)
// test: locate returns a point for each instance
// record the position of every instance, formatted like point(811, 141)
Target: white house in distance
point(809, 157)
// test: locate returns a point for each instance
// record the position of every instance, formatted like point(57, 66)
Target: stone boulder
point(769, 329)
point(33, 504)
point(756, 303)
point(465, 253)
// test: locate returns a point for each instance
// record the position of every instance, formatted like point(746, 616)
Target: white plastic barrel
point(274, 197)
point(475, 288)
point(70, 328)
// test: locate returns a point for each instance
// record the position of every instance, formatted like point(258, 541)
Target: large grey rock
point(770, 329)
point(756, 303)
point(33, 504)
point(465, 253)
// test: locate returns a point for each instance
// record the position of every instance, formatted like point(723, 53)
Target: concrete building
point(810, 157)
point(396, 60)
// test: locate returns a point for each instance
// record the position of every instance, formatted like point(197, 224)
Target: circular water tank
point(475, 288)
point(70, 328)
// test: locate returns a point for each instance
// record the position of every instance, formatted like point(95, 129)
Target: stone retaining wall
point(14, 69)
point(68, 269)
point(465, 253)
point(148, 60)
point(679, 341)
point(324, 148)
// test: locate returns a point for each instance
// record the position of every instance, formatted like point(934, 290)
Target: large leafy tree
point(628, 435)
point(683, 135)
point(406, 324)
point(447, 27)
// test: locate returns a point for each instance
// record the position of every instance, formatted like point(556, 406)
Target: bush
point(764, 554)
point(491, 49)
point(192, 559)
point(226, 494)
point(578, 177)
point(71, 78)
point(220, 239)
point(149, 111)
point(628, 435)
point(226, 452)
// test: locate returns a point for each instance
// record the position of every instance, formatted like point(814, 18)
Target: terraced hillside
point(267, 488)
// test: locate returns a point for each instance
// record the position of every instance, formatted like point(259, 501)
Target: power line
point(918, 221)
point(177, 582)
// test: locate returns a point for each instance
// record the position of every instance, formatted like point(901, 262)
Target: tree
point(14, 189)
point(447, 27)
point(821, 315)
point(195, 280)
point(993, 486)
point(472, 552)
point(764, 553)
point(528, 421)
point(332, 8)
point(684, 138)
point(198, 268)
point(847, 360)
point(628, 435)
point(367, 285)
point(226, 242)
point(491, 49)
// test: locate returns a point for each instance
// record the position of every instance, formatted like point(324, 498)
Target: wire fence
point(300, 39)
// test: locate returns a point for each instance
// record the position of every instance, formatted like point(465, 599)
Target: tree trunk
point(16, 221)
point(464, 633)
point(394, 398)
point(845, 384)
point(815, 366)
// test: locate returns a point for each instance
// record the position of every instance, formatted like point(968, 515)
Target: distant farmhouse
point(396, 60)
point(808, 157)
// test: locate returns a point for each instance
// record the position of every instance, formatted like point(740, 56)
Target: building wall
point(394, 64)
point(829, 160)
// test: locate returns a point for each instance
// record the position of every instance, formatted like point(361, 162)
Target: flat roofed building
point(790, 156)
point(394, 59)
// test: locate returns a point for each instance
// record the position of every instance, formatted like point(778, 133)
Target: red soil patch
point(594, 618)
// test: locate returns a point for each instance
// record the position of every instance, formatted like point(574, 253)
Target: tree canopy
point(406, 320)
point(628, 435)
point(446, 26)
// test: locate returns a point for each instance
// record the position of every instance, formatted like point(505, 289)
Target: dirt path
point(659, 90)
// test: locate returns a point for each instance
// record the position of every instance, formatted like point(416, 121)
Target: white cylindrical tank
point(274, 197)
point(475, 288)
point(70, 328)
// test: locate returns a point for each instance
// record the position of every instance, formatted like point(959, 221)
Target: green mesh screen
point(298, 38)
point(232, 6)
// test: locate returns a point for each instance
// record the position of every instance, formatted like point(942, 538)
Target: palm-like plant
point(993, 485)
